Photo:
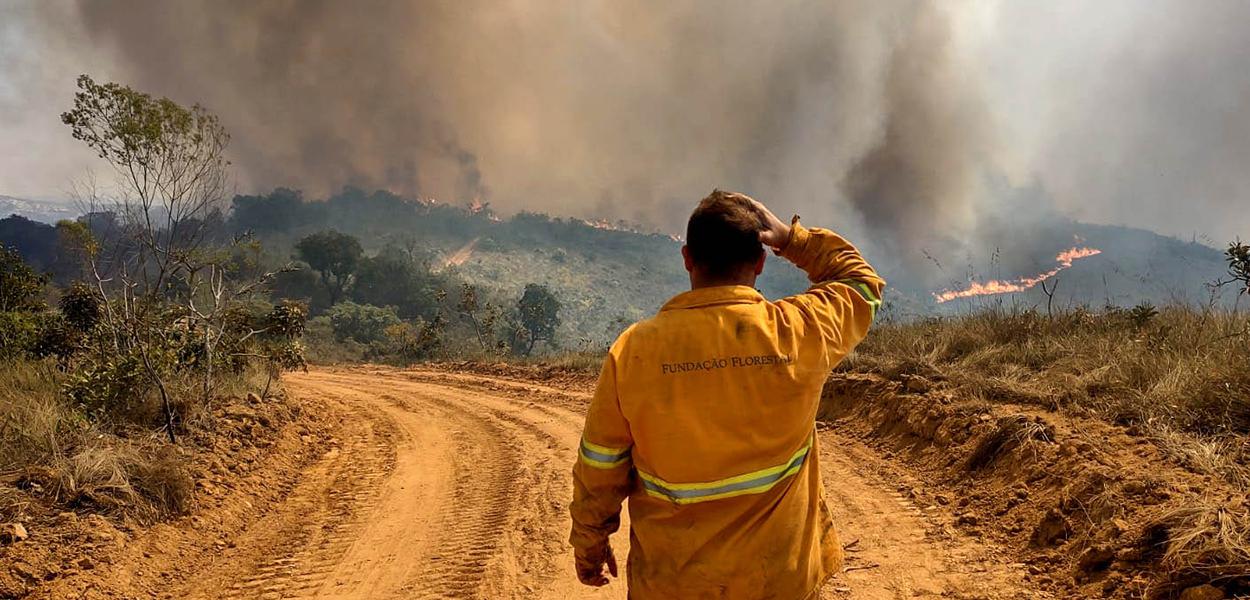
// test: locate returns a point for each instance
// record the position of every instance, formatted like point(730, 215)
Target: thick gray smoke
point(630, 110)
point(885, 119)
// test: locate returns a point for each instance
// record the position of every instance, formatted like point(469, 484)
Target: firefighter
point(705, 415)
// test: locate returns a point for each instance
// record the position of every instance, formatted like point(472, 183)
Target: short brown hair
point(723, 233)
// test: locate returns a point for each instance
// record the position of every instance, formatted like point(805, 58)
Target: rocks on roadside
point(12, 533)
point(916, 384)
point(1053, 528)
point(1095, 558)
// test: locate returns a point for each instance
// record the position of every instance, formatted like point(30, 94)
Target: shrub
point(18, 333)
point(114, 384)
point(80, 306)
point(361, 322)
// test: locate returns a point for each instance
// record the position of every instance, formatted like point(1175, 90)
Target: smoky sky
point(883, 119)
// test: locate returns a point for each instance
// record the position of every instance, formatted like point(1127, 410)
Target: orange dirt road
point(445, 485)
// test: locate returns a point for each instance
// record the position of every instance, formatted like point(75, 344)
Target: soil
point(438, 482)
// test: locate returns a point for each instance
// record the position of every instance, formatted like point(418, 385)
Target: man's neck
point(697, 282)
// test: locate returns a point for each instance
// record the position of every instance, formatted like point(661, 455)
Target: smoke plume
point(883, 119)
point(600, 108)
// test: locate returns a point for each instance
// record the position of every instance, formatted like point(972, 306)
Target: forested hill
point(606, 275)
point(603, 274)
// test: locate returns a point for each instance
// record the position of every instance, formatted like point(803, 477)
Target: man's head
point(723, 241)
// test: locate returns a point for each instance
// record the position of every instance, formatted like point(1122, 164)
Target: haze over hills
point(44, 211)
point(607, 274)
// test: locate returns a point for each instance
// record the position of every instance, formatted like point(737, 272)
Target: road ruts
point(454, 485)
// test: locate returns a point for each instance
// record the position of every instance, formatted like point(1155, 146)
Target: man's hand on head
point(774, 232)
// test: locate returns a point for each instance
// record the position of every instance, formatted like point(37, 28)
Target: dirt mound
point(1094, 510)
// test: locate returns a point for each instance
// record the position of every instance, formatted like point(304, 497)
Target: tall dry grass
point(108, 462)
point(1181, 375)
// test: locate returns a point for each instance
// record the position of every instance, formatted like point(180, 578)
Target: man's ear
point(759, 264)
point(685, 256)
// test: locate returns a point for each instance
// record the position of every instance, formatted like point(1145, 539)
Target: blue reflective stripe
point(751, 486)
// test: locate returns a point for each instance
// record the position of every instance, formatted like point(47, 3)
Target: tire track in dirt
point(450, 485)
point(332, 500)
point(499, 529)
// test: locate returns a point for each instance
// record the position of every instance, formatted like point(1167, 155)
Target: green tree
point(538, 312)
point(20, 286)
point(167, 283)
point(393, 278)
point(334, 256)
point(361, 322)
point(482, 315)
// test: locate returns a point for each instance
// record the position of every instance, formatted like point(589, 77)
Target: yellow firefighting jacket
point(704, 417)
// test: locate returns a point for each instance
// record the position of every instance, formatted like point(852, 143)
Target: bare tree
point(1050, 294)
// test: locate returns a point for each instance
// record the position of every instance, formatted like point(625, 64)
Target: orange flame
point(976, 288)
point(621, 225)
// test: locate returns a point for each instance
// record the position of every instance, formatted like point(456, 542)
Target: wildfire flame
point(607, 225)
point(976, 288)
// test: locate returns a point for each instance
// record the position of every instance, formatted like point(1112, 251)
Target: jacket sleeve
point(603, 474)
point(845, 293)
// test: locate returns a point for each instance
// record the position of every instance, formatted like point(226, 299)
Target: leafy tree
point(278, 341)
point(281, 210)
point(334, 256)
point(538, 311)
point(80, 306)
point(418, 340)
point(483, 315)
point(393, 278)
point(165, 279)
point(19, 332)
point(361, 322)
point(20, 286)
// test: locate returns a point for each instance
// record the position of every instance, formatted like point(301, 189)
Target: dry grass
point(106, 464)
point(1010, 433)
point(1211, 539)
point(1181, 376)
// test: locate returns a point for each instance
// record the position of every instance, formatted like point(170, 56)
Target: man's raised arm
point(846, 290)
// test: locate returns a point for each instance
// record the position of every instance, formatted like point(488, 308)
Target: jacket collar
point(713, 296)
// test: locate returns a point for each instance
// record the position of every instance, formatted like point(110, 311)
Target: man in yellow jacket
point(704, 417)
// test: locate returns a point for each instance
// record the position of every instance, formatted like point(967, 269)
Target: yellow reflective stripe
point(722, 495)
point(755, 482)
point(873, 301)
point(603, 449)
point(602, 457)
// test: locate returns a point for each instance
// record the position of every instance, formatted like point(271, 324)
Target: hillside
point(44, 211)
point(608, 274)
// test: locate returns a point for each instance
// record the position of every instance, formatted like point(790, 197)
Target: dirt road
point(455, 486)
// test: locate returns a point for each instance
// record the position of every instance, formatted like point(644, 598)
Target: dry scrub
point(1119, 442)
point(1181, 376)
point(113, 463)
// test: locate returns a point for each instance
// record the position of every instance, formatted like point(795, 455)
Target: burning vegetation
point(999, 286)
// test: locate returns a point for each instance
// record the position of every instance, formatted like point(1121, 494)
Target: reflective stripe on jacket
point(704, 419)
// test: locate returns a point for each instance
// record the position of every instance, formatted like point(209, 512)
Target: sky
point(886, 118)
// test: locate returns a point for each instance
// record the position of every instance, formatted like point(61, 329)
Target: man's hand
point(590, 568)
point(774, 232)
